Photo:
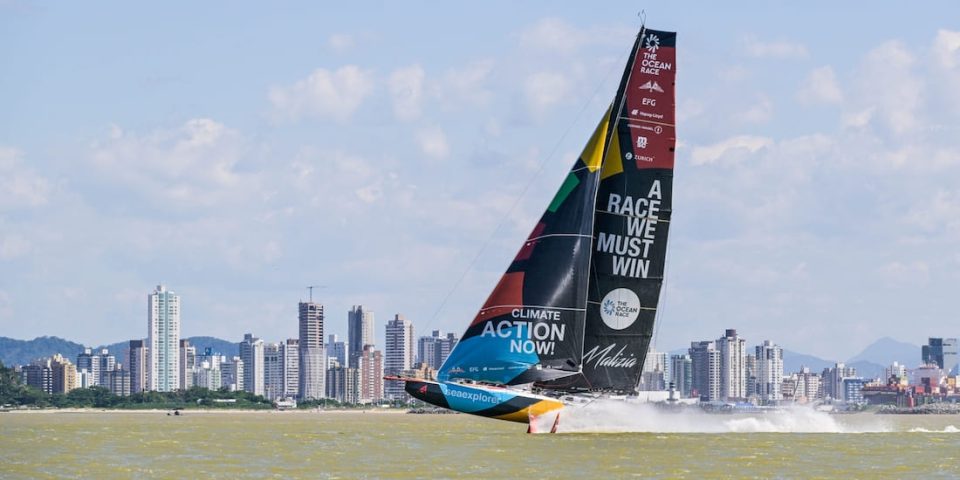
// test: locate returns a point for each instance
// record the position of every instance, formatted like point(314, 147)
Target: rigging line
point(523, 192)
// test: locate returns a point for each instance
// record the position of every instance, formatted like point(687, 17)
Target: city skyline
point(816, 180)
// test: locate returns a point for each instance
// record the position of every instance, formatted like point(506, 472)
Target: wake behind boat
point(573, 315)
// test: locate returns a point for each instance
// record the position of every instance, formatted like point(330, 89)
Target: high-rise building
point(188, 361)
point(313, 360)
point(108, 363)
point(705, 359)
point(343, 384)
point(273, 379)
point(232, 373)
point(207, 373)
point(251, 352)
point(63, 374)
point(750, 374)
point(681, 374)
point(163, 340)
point(117, 380)
point(895, 374)
point(655, 375)
point(832, 379)
point(434, 350)
point(337, 349)
point(89, 361)
point(398, 355)
point(291, 368)
point(360, 332)
point(809, 386)
point(733, 350)
point(137, 363)
point(942, 352)
point(39, 375)
point(371, 375)
point(769, 372)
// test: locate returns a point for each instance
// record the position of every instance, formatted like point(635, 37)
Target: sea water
point(603, 443)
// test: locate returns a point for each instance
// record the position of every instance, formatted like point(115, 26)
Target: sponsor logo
point(652, 43)
point(604, 357)
point(628, 155)
point(620, 308)
point(651, 86)
point(422, 390)
point(472, 396)
point(641, 142)
point(650, 128)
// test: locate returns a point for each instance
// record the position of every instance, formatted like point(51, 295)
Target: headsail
point(633, 208)
point(531, 327)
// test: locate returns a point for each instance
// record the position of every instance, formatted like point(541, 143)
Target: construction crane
point(311, 287)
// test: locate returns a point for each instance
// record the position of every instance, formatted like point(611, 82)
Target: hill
point(886, 350)
point(22, 352)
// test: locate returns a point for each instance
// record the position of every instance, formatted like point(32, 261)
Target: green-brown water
point(369, 445)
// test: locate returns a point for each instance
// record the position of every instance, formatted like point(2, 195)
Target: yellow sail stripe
point(593, 152)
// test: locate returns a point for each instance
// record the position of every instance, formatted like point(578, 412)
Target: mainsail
point(634, 204)
point(576, 307)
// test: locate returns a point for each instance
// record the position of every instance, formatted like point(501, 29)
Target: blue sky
point(239, 152)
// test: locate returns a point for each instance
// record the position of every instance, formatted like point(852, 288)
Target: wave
point(947, 429)
point(611, 416)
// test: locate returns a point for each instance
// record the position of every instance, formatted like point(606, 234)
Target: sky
point(398, 153)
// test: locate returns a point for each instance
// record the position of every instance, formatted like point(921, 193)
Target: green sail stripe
point(568, 185)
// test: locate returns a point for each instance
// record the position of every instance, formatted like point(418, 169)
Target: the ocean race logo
point(620, 308)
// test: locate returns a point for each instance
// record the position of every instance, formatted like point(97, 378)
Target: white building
point(290, 350)
point(769, 372)
point(360, 332)
point(231, 374)
point(398, 354)
point(163, 340)
point(313, 360)
point(733, 351)
point(273, 379)
point(251, 352)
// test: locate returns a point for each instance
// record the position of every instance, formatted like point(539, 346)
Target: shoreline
point(206, 411)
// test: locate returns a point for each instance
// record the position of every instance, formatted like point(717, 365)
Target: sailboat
point(573, 315)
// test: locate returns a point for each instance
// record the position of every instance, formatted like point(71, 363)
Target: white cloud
point(341, 42)
point(759, 112)
point(553, 34)
point(775, 49)
point(433, 142)
point(13, 246)
point(729, 147)
point(820, 86)
point(888, 81)
point(324, 94)
point(858, 119)
point(543, 90)
point(465, 86)
point(905, 273)
point(406, 90)
point(946, 49)
point(20, 186)
point(193, 165)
